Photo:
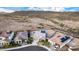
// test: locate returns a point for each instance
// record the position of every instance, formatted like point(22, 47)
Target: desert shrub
point(62, 25)
point(44, 42)
point(30, 40)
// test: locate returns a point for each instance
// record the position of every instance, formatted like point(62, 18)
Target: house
point(74, 44)
point(6, 38)
point(17, 40)
point(8, 35)
point(21, 37)
point(4, 34)
point(50, 33)
point(61, 39)
point(39, 34)
point(3, 41)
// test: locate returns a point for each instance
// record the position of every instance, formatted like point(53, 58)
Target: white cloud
point(57, 9)
point(6, 10)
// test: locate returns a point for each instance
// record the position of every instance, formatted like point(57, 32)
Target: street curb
point(25, 46)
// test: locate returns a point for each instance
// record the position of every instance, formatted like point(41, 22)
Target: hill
point(66, 22)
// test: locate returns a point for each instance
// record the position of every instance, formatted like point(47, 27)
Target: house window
point(43, 31)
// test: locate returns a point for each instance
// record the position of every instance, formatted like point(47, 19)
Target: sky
point(57, 9)
point(39, 3)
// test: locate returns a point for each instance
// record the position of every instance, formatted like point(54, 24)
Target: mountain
point(24, 20)
point(3, 11)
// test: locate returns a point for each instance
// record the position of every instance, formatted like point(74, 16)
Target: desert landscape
point(32, 20)
point(64, 22)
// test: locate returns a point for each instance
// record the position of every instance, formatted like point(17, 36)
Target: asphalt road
point(30, 48)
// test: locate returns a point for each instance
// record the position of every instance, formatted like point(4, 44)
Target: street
point(30, 48)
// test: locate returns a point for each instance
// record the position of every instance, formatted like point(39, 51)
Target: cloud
point(57, 9)
point(6, 10)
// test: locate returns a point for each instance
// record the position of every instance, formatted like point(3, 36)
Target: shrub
point(6, 46)
point(45, 42)
point(61, 24)
point(30, 40)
